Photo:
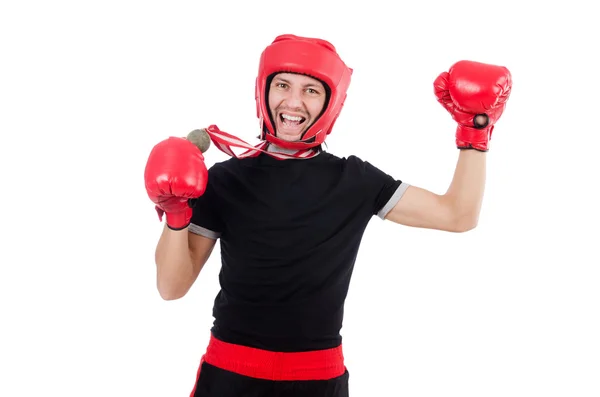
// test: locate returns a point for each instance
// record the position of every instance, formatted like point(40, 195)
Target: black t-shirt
point(289, 234)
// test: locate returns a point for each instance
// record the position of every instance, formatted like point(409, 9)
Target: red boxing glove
point(475, 94)
point(175, 173)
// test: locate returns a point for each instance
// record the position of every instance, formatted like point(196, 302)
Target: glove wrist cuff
point(176, 220)
point(473, 138)
point(179, 220)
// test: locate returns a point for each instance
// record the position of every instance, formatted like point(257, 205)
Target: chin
point(290, 138)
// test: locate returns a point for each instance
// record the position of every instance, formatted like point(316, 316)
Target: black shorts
point(228, 370)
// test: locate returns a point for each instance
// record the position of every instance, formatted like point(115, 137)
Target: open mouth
point(291, 121)
point(291, 125)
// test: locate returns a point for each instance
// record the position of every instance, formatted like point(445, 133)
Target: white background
point(87, 88)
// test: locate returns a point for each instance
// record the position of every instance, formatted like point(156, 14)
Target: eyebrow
point(281, 79)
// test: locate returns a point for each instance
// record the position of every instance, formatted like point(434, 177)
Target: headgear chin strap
point(313, 57)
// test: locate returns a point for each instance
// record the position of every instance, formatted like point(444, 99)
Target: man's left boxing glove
point(175, 173)
point(475, 94)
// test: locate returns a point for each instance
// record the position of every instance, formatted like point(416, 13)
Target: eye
point(312, 91)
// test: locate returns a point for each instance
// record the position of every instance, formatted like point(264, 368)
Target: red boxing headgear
point(312, 57)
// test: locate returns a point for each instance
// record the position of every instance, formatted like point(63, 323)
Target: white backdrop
point(87, 88)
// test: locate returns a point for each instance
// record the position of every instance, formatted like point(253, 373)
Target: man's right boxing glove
point(475, 94)
point(175, 173)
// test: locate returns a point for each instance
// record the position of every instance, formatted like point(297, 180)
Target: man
point(290, 218)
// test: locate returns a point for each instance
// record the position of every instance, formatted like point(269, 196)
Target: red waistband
point(263, 364)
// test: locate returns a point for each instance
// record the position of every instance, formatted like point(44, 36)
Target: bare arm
point(455, 211)
point(179, 256)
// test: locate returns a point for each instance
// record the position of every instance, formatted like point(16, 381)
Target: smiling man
point(290, 218)
point(295, 101)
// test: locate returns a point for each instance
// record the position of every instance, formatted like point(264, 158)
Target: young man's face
point(295, 102)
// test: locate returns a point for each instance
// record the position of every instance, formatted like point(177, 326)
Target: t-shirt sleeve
point(386, 190)
point(206, 217)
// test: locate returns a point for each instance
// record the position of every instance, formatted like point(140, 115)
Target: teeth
point(291, 118)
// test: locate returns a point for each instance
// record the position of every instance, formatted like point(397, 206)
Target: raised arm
point(475, 94)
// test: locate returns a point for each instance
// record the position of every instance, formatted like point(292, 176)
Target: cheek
point(272, 100)
point(316, 107)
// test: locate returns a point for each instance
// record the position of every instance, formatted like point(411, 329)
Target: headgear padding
point(313, 57)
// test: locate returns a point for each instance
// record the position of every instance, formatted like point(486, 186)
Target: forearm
point(465, 194)
point(175, 271)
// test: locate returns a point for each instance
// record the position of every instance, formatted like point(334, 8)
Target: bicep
point(200, 249)
point(421, 208)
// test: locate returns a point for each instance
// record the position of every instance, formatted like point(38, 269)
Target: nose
point(294, 99)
